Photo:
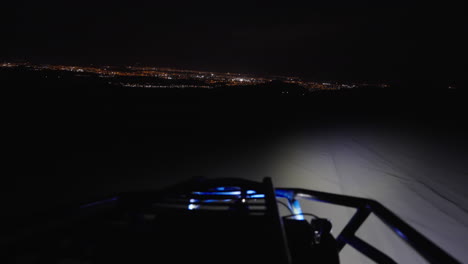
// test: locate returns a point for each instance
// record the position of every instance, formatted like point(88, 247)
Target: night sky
point(389, 41)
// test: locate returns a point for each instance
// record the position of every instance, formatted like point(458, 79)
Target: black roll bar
point(426, 248)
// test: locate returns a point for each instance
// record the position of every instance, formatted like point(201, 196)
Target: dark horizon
point(32, 63)
point(402, 85)
point(396, 42)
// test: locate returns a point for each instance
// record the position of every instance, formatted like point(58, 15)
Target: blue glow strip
point(193, 206)
point(284, 194)
point(228, 188)
point(257, 196)
point(400, 234)
point(254, 196)
point(210, 201)
point(224, 192)
point(99, 202)
point(218, 193)
point(297, 210)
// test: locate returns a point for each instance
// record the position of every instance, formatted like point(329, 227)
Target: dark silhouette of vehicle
point(206, 221)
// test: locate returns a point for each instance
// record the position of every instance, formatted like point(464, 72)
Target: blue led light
point(257, 196)
point(192, 206)
point(195, 204)
point(218, 193)
point(215, 201)
point(284, 194)
point(400, 233)
point(221, 192)
point(297, 210)
point(210, 201)
point(227, 188)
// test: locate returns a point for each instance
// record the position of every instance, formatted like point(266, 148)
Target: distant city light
point(209, 79)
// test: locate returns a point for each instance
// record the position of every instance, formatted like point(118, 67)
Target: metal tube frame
point(427, 249)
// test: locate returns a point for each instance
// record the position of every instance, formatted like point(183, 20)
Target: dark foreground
point(72, 137)
point(72, 140)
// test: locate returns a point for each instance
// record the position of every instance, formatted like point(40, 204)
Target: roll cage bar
point(199, 192)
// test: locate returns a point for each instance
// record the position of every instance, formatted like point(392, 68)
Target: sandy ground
point(419, 180)
point(419, 174)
